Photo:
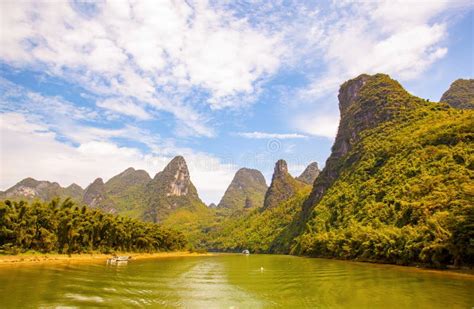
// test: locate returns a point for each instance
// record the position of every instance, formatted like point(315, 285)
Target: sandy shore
point(40, 258)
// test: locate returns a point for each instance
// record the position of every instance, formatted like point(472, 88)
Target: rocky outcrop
point(460, 94)
point(246, 191)
point(96, 196)
point(179, 180)
point(169, 190)
point(364, 103)
point(283, 186)
point(309, 174)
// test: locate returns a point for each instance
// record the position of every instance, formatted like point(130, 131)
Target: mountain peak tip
point(281, 167)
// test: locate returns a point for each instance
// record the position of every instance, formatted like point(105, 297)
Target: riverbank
point(467, 273)
point(55, 258)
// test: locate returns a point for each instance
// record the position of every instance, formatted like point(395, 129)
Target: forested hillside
point(397, 188)
point(403, 191)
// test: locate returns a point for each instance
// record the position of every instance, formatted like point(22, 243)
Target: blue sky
point(88, 90)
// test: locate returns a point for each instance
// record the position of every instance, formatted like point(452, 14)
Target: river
point(232, 281)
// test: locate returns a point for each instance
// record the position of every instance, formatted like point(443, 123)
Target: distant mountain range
point(30, 188)
point(396, 188)
point(133, 193)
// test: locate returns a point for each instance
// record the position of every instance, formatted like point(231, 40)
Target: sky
point(89, 89)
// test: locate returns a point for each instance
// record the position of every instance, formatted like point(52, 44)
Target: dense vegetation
point(404, 193)
point(397, 189)
point(245, 193)
point(261, 231)
point(126, 191)
point(65, 227)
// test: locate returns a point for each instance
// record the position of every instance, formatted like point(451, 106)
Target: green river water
point(232, 281)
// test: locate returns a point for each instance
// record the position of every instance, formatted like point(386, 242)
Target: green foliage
point(282, 188)
point(193, 222)
point(397, 188)
point(245, 192)
point(404, 193)
point(65, 227)
point(126, 191)
point(261, 230)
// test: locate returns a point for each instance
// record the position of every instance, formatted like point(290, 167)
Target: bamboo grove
point(64, 227)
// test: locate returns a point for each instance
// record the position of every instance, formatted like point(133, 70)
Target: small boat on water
point(246, 252)
point(118, 259)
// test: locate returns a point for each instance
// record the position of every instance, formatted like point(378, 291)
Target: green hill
point(126, 191)
point(171, 190)
point(171, 199)
point(245, 193)
point(397, 187)
point(261, 231)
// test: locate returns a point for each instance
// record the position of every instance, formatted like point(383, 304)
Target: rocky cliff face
point(283, 186)
point(364, 103)
point(460, 94)
point(310, 173)
point(246, 191)
point(96, 196)
point(176, 174)
point(170, 190)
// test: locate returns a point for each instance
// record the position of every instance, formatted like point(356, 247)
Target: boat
point(118, 259)
point(246, 252)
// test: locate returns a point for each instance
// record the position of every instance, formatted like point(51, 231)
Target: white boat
point(246, 252)
point(118, 259)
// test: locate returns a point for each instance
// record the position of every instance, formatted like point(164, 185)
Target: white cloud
point(265, 135)
point(401, 38)
point(318, 124)
point(147, 50)
point(32, 150)
point(125, 107)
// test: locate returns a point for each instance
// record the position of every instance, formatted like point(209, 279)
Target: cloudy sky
point(89, 89)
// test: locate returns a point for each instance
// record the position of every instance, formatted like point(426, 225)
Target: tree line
point(65, 227)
